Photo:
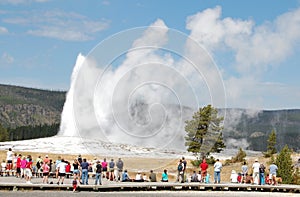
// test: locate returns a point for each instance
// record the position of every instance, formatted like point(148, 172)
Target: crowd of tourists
point(24, 167)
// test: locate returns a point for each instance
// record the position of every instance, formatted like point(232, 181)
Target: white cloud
point(209, 29)
point(255, 48)
point(58, 24)
point(3, 30)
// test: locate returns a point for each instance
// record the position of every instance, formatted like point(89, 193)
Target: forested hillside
point(27, 113)
point(21, 106)
point(251, 130)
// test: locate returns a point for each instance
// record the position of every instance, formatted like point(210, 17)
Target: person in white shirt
point(61, 170)
point(138, 177)
point(234, 177)
point(9, 158)
point(255, 168)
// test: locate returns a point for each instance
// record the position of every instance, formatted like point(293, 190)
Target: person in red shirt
point(203, 166)
point(68, 169)
point(18, 166)
point(28, 170)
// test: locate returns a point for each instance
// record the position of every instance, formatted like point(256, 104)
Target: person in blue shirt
point(84, 176)
point(273, 172)
point(125, 177)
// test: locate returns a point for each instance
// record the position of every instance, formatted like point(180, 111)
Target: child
point(239, 178)
point(74, 183)
point(207, 178)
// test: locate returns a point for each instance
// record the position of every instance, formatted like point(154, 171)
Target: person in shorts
point(76, 172)
point(28, 170)
point(9, 160)
point(46, 169)
point(61, 171)
point(273, 172)
point(18, 166)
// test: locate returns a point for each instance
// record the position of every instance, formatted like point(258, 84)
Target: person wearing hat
point(255, 168)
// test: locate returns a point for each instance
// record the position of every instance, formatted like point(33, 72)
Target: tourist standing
point(104, 168)
point(76, 172)
point(46, 169)
point(98, 173)
point(262, 174)
point(120, 165)
point(244, 171)
point(255, 168)
point(180, 167)
point(28, 170)
point(217, 171)
point(273, 173)
point(203, 166)
point(111, 169)
point(84, 175)
point(23, 167)
point(9, 160)
point(61, 171)
point(18, 165)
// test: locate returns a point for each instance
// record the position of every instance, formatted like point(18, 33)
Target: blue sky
point(40, 40)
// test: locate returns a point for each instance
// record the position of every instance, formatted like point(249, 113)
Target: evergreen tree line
point(28, 132)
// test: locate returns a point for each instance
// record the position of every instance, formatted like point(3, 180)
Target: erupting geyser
point(139, 86)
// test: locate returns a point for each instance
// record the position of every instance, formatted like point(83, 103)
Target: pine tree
point(204, 132)
point(285, 165)
point(272, 142)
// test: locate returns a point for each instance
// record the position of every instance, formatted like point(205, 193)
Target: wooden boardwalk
point(153, 186)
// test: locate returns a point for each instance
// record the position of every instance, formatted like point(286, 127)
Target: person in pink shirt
point(46, 169)
point(104, 168)
point(23, 167)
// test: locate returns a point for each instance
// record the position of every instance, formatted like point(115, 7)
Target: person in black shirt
point(98, 173)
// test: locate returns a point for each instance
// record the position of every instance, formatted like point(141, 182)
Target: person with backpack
point(180, 168)
point(39, 162)
point(262, 174)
